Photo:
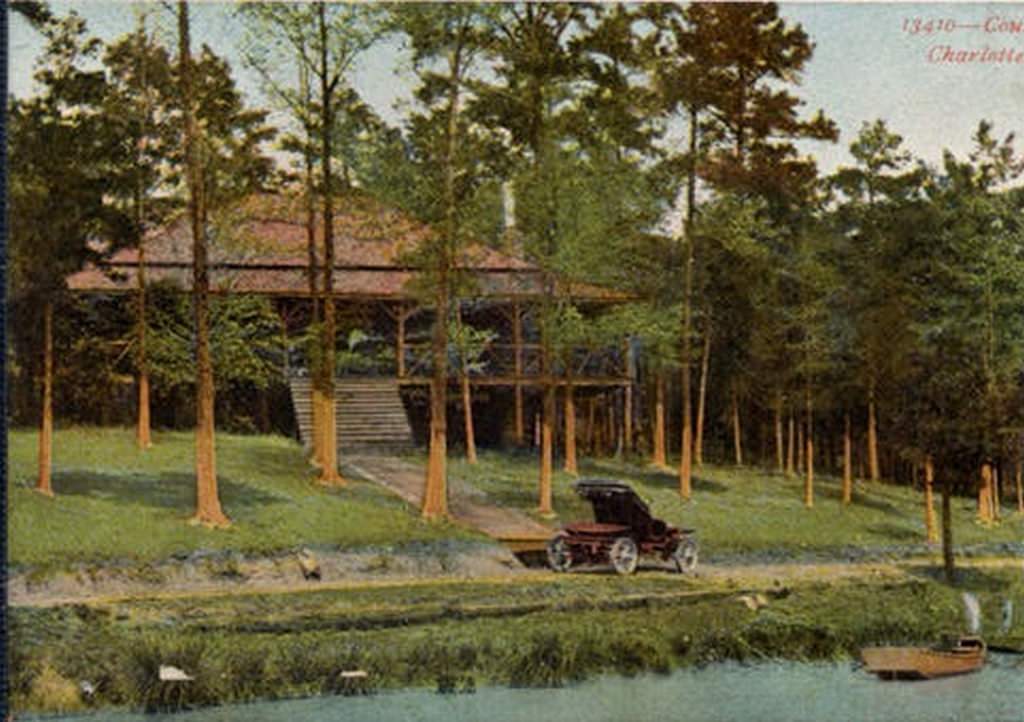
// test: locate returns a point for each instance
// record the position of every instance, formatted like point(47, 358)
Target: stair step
point(368, 413)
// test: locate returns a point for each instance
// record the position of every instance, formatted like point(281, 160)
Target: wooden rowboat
point(961, 656)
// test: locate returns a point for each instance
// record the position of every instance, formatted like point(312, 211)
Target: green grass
point(553, 646)
point(743, 510)
point(386, 602)
point(115, 502)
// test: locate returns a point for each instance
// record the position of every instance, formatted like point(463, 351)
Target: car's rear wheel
point(685, 555)
point(624, 555)
point(559, 555)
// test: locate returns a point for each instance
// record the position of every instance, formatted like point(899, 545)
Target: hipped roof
point(260, 247)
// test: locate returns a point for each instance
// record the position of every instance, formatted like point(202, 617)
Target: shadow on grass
point(168, 491)
point(895, 533)
point(654, 477)
point(283, 462)
point(858, 499)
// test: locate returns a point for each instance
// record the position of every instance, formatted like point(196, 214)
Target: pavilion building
point(261, 246)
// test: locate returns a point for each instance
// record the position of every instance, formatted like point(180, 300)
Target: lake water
point(770, 692)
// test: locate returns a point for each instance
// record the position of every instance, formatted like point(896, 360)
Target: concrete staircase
point(370, 413)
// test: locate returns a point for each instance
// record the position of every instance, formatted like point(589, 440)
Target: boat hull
point(921, 662)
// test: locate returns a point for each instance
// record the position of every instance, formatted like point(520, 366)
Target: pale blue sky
point(865, 66)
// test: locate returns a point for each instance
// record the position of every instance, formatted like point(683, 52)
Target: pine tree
point(447, 41)
point(62, 157)
point(208, 510)
point(320, 45)
point(139, 74)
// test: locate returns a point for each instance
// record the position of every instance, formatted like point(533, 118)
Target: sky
point(931, 71)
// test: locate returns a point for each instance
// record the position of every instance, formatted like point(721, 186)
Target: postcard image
point(514, 361)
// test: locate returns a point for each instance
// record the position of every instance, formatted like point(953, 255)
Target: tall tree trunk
point(570, 430)
point(737, 435)
point(264, 412)
point(686, 447)
point(872, 433)
point(329, 469)
point(467, 412)
point(317, 407)
point(43, 485)
point(659, 420)
point(985, 494)
point(847, 460)
point(780, 462)
point(790, 447)
point(947, 531)
point(931, 532)
point(698, 439)
point(435, 494)
point(143, 436)
point(544, 507)
point(997, 491)
point(1020, 487)
point(809, 476)
point(467, 399)
point(208, 509)
point(800, 448)
point(317, 400)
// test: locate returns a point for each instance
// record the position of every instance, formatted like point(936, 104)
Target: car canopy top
point(614, 502)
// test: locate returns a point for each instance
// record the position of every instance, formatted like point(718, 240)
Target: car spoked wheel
point(623, 555)
point(685, 556)
point(559, 556)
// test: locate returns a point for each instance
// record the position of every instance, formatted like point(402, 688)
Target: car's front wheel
point(624, 555)
point(685, 555)
point(559, 555)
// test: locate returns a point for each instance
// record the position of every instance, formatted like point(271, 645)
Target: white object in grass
point(173, 674)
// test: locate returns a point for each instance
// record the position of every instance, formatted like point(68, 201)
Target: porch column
point(627, 414)
point(400, 343)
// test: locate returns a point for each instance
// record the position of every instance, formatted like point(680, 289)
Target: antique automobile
point(623, 529)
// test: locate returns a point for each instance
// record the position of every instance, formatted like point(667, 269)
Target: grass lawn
point(748, 509)
point(114, 501)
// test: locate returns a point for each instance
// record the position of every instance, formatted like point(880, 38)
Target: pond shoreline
point(773, 691)
point(452, 636)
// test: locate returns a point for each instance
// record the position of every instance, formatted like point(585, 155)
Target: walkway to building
point(466, 504)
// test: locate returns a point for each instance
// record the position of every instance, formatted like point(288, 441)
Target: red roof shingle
point(260, 247)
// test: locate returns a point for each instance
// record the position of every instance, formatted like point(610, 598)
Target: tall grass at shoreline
point(549, 648)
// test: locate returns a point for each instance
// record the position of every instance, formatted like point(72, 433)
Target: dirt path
point(467, 504)
point(262, 575)
point(350, 572)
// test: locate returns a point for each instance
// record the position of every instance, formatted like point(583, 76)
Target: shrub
point(49, 691)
